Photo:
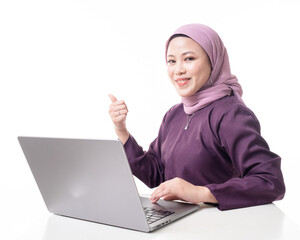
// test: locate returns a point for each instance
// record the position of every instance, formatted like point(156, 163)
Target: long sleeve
point(221, 148)
point(146, 166)
point(149, 166)
point(259, 179)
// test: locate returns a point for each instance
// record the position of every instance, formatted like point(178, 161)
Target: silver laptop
point(92, 180)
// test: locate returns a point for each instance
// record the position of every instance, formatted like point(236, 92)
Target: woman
point(209, 147)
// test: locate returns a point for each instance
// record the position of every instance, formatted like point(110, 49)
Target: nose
point(179, 69)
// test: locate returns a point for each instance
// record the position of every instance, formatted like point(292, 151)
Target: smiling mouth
point(182, 81)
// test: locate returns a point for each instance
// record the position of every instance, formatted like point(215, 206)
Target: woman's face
point(188, 65)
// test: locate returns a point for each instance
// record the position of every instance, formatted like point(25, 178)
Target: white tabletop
point(261, 222)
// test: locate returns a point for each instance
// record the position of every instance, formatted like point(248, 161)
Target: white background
point(59, 59)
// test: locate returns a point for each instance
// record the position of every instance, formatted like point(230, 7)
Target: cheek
point(170, 72)
point(201, 71)
point(193, 67)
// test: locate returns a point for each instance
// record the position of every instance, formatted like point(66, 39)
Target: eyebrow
point(185, 53)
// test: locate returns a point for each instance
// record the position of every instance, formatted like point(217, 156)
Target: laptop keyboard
point(154, 215)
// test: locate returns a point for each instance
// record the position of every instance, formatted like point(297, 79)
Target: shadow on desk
point(261, 222)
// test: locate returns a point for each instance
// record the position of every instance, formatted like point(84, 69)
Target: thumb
point(170, 198)
point(112, 98)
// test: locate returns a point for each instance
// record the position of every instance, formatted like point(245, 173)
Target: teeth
point(181, 81)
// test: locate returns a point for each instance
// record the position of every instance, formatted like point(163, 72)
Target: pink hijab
point(221, 81)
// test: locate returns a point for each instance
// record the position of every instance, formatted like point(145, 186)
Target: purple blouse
point(221, 149)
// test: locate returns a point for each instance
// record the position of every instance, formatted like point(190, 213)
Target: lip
point(182, 81)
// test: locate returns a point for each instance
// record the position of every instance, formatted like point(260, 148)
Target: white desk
point(262, 222)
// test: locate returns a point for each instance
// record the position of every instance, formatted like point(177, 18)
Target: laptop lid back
point(86, 179)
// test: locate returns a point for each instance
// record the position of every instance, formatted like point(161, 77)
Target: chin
point(185, 92)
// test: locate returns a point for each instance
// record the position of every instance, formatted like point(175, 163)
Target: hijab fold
point(221, 82)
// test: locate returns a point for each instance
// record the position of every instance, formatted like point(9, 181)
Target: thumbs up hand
point(118, 113)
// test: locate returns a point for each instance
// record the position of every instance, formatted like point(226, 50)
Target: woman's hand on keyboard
point(179, 189)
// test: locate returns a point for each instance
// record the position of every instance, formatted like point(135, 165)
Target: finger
point(117, 113)
point(123, 112)
point(171, 198)
point(118, 107)
point(112, 98)
point(154, 199)
point(159, 193)
point(119, 119)
point(116, 110)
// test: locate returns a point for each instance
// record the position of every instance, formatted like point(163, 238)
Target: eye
point(171, 61)
point(189, 59)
